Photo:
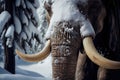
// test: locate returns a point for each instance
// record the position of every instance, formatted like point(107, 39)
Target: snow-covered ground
point(31, 71)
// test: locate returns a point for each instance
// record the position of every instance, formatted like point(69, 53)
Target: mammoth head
point(83, 12)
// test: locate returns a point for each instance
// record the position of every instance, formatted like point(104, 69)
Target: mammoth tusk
point(93, 54)
point(36, 57)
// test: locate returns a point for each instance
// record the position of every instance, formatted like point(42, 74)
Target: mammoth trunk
point(65, 43)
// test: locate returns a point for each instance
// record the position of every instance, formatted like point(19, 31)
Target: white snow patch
point(10, 31)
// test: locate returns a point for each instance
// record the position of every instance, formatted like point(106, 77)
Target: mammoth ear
point(47, 6)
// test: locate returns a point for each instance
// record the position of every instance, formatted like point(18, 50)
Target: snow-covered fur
point(67, 10)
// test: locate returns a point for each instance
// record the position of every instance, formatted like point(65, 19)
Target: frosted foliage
point(33, 42)
point(29, 34)
point(35, 16)
point(17, 3)
point(23, 35)
point(40, 38)
point(33, 10)
point(27, 47)
point(17, 23)
point(17, 46)
point(43, 22)
point(10, 31)
point(31, 7)
point(32, 28)
point(24, 30)
point(23, 4)
point(28, 14)
point(36, 3)
point(24, 18)
point(4, 17)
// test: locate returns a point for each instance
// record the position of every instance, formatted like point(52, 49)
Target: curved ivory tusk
point(36, 57)
point(93, 54)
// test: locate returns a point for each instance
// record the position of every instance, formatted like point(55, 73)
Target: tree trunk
point(9, 52)
point(9, 59)
point(65, 49)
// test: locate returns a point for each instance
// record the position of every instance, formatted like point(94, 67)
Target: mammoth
point(73, 24)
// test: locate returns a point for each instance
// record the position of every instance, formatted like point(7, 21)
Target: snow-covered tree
point(1, 5)
point(20, 27)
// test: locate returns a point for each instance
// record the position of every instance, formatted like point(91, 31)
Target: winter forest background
point(25, 32)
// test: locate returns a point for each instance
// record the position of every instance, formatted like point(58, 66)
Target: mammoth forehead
point(66, 10)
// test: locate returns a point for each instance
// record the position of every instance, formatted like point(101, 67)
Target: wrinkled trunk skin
point(65, 47)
